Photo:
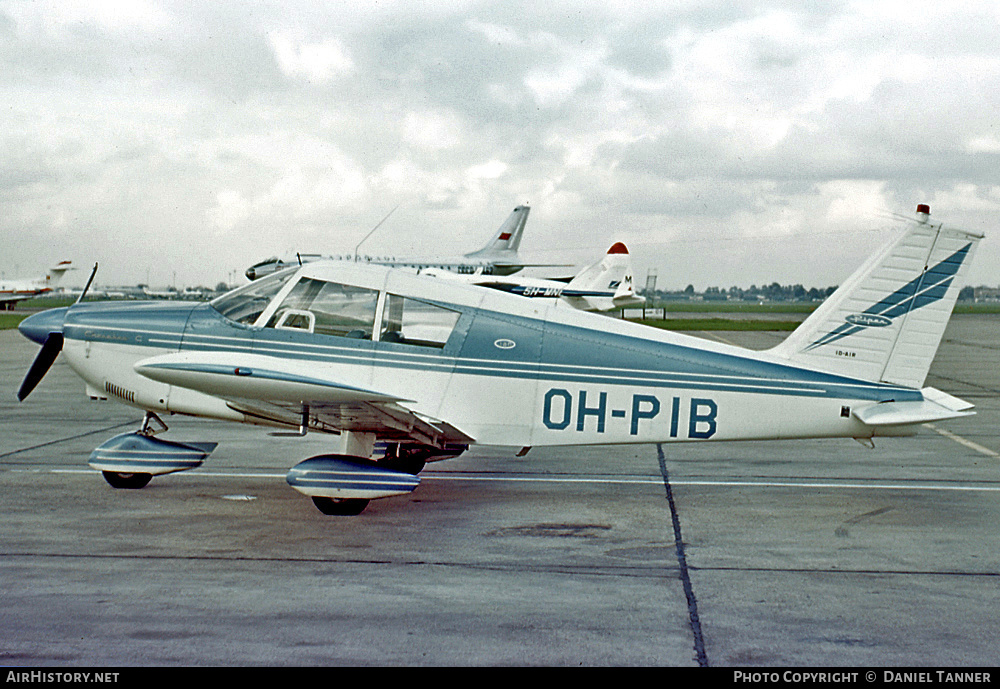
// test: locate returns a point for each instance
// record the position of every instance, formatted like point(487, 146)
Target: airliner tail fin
point(507, 239)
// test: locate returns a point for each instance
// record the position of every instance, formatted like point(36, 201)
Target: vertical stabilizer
point(608, 274)
point(507, 239)
point(884, 324)
point(605, 285)
point(57, 271)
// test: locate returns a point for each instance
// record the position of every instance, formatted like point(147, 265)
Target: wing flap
point(387, 420)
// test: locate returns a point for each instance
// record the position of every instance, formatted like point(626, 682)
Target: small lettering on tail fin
point(885, 323)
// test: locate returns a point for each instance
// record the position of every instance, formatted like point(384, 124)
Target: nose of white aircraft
point(38, 327)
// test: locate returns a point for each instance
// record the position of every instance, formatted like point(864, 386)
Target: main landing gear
point(344, 484)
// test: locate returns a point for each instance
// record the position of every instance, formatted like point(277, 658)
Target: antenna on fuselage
point(87, 287)
point(372, 232)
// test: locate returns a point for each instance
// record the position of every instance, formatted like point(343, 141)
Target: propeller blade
point(40, 366)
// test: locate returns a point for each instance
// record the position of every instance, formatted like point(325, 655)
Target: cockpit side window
point(327, 308)
point(414, 322)
point(244, 305)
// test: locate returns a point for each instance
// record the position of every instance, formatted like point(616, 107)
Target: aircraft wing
point(512, 266)
point(279, 391)
point(12, 298)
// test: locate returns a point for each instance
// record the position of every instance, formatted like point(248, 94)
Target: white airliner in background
point(497, 257)
point(13, 291)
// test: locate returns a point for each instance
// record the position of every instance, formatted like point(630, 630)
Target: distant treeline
point(772, 292)
point(798, 293)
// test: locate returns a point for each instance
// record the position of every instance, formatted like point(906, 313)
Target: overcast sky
point(726, 143)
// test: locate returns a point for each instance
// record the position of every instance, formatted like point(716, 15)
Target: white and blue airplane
point(407, 369)
point(602, 286)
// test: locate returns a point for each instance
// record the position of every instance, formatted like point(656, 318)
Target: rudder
point(884, 324)
point(507, 238)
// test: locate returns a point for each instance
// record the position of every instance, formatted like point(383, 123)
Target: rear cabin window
point(327, 308)
point(414, 322)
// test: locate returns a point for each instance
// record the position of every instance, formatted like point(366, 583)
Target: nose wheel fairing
point(138, 453)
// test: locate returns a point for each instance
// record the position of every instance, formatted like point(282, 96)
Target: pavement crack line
point(692, 602)
point(63, 440)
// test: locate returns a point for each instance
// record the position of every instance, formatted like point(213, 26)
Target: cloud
point(720, 140)
point(317, 63)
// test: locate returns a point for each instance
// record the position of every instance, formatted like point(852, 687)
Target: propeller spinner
point(46, 328)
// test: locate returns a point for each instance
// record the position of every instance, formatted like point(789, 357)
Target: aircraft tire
point(340, 507)
point(408, 465)
point(123, 480)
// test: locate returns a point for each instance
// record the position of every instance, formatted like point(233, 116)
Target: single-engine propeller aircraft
point(408, 369)
point(601, 286)
point(13, 291)
point(499, 256)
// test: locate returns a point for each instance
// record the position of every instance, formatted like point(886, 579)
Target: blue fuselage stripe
point(681, 367)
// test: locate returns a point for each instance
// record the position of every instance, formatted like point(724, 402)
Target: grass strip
point(719, 324)
point(9, 321)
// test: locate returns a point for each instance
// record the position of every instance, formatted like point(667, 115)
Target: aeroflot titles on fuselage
point(565, 411)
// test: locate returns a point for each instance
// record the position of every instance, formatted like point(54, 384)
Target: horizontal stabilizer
point(57, 271)
point(936, 406)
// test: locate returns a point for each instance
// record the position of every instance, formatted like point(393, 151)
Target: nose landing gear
point(131, 460)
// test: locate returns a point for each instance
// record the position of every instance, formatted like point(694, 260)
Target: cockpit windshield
point(244, 305)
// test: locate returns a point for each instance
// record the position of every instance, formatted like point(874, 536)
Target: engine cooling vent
point(119, 392)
